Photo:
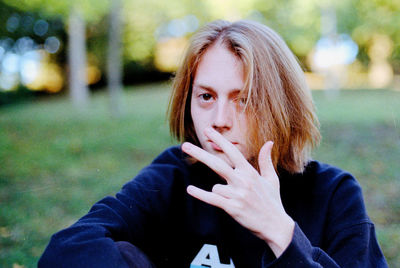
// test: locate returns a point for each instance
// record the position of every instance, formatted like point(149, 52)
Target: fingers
point(265, 160)
point(223, 190)
point(207, 197)
point(212, 161)
point(229, 149)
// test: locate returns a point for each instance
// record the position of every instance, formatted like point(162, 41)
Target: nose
point(223, 116)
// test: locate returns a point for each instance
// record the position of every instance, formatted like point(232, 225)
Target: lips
point(216, 147)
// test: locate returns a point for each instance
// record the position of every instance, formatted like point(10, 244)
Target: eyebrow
point(203, 87)
point(211, 89)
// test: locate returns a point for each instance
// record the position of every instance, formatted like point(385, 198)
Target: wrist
point(282, 236)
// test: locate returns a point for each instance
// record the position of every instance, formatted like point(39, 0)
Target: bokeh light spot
point(41, 27)
point(52, 44)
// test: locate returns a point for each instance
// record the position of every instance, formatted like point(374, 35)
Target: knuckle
point(239, 207)
point(216, 188)
point(243, 195)
point(236, 209)
point(248, 185)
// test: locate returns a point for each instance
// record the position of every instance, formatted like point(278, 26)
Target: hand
point(251, 198)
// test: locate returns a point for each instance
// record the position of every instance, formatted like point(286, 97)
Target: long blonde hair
point(278, 97)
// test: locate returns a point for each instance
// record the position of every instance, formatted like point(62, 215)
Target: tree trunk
point(114, 66)
point(79, 91)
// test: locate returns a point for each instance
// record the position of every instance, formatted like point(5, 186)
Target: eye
point(205, 96)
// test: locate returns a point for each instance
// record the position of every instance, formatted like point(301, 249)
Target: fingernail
point(190, 189)
point(186, 146)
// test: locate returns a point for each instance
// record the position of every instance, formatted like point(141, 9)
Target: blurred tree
point(299, 21)
point(29, 44)
point(77, 58)
point(114, 57)
point(147, 22)
point(75, 13)
point(152, 21)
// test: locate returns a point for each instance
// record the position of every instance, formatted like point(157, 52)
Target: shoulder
point(319, 177)
point(328, 178)
point(170, 156)
point(164, 171)
point(329, 189)
point(341, 190)
point(172, 162)
point(155, 186)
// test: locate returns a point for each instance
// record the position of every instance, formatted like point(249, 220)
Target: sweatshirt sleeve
point(130, 216)
point(349, 239)
point(90, 241)
point(359, 249)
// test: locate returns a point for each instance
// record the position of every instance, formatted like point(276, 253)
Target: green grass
point(56, 161)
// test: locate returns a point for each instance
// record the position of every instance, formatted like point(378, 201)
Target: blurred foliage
point(298, 21)
point(92, 10)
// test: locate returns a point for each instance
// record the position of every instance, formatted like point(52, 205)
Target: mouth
point(216, 147)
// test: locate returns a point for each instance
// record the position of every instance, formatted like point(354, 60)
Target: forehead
point(219, 69)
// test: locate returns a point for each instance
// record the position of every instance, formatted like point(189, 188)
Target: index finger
point(230, 150)
point(215, 163)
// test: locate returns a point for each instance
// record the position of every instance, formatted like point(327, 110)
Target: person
point(242, 189)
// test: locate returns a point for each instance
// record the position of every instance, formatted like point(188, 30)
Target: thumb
point(265, 160)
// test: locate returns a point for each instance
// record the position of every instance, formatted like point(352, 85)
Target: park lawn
point(56, 160)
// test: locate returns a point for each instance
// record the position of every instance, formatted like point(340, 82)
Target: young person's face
point(215, 100)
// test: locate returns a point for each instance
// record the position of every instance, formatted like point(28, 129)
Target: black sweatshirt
point(154, 212)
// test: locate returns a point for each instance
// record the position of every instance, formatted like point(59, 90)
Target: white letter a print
point(208, 257)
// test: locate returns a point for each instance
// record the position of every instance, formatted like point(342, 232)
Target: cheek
point(243, 125)
point(194, 113)
point(197, 117)
point(244, 134)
